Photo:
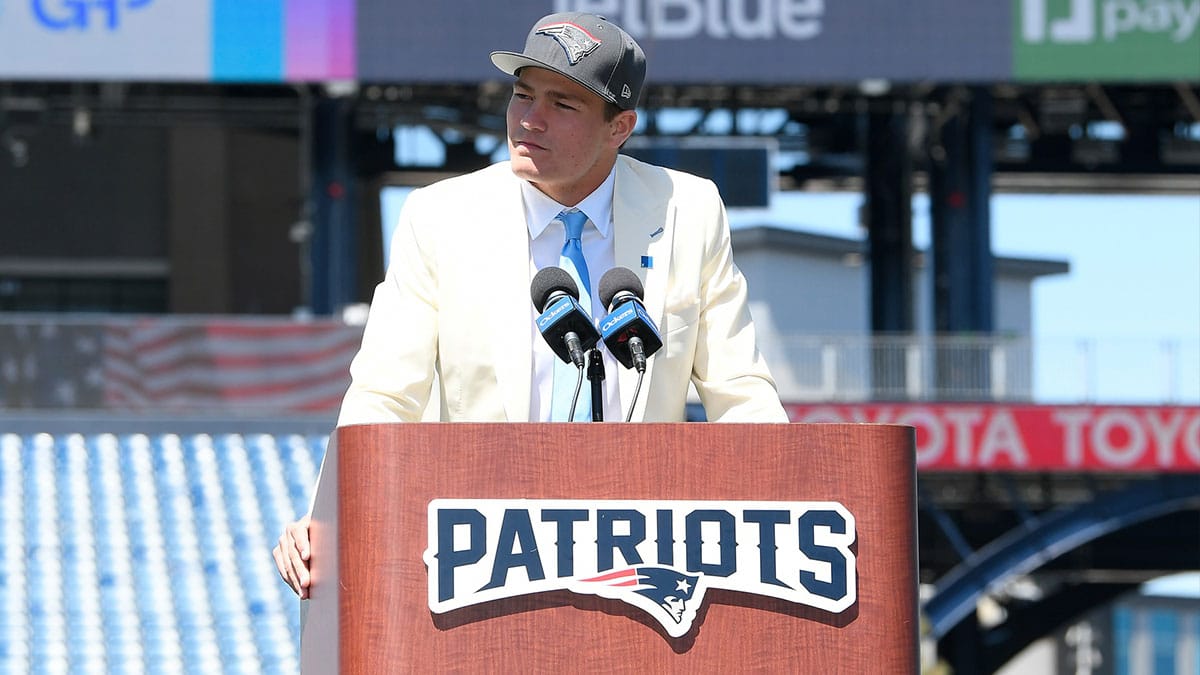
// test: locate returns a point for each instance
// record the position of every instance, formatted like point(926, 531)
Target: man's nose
point(532, 118)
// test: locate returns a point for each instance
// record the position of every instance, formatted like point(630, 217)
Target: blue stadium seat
point(149, 554)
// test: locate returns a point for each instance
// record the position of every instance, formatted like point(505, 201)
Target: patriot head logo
point(574, 40)
point(668, 595)
point(657, 556)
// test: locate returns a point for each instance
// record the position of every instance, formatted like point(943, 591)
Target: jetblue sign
point(658, 556)
point(718, 19)
point(706, 41)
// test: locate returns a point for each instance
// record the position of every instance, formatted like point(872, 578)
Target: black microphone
point(563, 322)
point(628, 329)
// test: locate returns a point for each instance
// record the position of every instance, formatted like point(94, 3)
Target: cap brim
point(511, 62)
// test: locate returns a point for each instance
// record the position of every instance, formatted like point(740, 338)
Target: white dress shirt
point(546, 239)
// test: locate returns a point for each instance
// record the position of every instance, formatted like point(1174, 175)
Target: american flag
point(237, 365)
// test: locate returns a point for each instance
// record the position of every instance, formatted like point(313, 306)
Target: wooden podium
point(369, 609)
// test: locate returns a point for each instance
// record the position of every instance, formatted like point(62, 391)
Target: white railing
point(986, 368)
point(1117, 369)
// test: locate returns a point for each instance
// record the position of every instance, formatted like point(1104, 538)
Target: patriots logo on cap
point(670, 593)
point(574, 40)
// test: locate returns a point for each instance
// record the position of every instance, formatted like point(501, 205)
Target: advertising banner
point(727, 42)
point(1107, 40)
point(177, 40)
point(706, 41)
point(983, 437)
point(75, 39)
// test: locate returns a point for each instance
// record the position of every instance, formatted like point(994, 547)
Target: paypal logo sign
point(61, 15)
point(1085, 20)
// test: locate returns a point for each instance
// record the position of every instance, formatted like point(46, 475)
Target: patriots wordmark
point(659, 556)
point(576, 41)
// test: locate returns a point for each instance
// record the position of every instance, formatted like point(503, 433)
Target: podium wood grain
point(387, 475)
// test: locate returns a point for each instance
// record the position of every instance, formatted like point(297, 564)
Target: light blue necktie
point(566, 374)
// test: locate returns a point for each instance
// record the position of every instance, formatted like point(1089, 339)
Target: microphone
point(628, 330)
point(562, 322)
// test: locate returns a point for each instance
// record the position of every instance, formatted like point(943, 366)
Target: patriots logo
point(574, 40)
point(667, 594)
point(658, 556)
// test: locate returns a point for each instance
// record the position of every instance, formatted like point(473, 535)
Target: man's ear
point(622, 126)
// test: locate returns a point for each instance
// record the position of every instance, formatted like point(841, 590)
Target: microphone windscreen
point(547, 281)
point(616, 280)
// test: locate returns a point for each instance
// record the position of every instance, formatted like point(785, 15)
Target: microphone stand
point(637, 349)
point(595, 374)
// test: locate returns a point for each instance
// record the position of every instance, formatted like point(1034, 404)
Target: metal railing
point(985, 368)
point(902, 367)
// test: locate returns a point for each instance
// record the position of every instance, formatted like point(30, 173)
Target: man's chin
point(522, 166)
point(524, 169)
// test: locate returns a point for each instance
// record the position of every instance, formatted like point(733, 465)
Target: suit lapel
point(507, 290)
point(643, 230)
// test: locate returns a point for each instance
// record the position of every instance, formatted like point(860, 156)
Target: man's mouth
point(527, 144)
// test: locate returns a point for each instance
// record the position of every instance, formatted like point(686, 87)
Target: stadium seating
point(149, 554)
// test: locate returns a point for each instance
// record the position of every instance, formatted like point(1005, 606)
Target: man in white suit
point(454, 307)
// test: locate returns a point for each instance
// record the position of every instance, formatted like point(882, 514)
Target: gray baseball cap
point(586, 48)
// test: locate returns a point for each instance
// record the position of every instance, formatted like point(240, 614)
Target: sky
point(1130, 304)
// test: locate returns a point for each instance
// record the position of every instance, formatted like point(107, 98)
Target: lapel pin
point(656, 233)
point(648, 261)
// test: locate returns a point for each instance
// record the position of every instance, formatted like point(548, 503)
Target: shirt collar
point(541, 210)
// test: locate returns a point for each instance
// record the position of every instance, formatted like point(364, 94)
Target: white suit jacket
point(455, 302)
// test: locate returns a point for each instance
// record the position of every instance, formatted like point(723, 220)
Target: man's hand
point(292, 554)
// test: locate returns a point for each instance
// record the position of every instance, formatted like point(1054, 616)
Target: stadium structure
point(191, 217)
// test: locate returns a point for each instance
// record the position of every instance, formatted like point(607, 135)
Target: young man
point(455, 301)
